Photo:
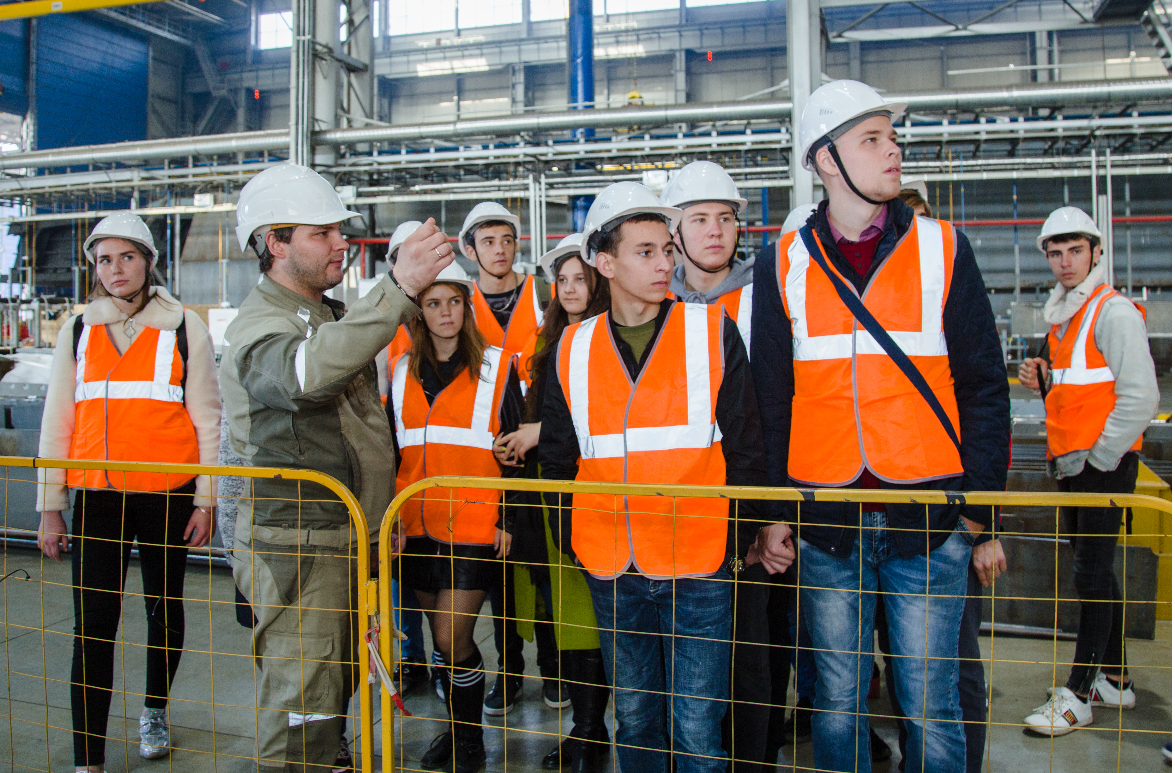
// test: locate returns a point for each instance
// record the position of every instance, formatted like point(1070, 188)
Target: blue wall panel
point(91, 83)
point(14, 67)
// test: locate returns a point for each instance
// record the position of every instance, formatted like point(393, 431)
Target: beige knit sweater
point(201, 392)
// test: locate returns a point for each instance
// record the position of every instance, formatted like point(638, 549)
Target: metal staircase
point(1156, 20)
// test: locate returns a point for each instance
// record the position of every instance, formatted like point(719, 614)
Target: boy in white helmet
point(1100, 395)
point(707, 239)
point(654, 391)
point(299, 386)
point(508, 304)
point(843, 309)
point(710, 273)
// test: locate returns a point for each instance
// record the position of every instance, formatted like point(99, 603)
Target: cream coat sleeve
point(57, 423)
point(202, 399)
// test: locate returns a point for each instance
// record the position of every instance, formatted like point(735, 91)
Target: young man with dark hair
point(1100, 395)
point(878, 365)
point(655, 391)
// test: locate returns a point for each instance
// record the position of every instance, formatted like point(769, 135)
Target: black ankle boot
point(588, 746)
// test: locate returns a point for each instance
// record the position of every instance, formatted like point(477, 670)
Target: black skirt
point(430, 566)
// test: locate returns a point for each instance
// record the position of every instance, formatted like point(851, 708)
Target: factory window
point(485, 13)
point(547, 10)
point(698, 3)
point(407, 17)
point(375, 28)
point(636, 6)
point(275, 30)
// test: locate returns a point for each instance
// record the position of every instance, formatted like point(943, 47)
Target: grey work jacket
point(299, 384)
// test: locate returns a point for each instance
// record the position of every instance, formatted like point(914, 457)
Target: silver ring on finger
point(437, 250)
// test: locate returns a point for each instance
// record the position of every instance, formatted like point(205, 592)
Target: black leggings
point(105, 523)
point(1093, 533)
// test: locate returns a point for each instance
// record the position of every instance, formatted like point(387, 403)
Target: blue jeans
point(924, 597)
point(656, 633)
point(802, 658)
point(409, 619)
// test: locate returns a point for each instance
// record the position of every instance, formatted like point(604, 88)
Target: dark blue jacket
point(981, 390)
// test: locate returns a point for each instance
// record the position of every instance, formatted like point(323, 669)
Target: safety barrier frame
point(387, 634)
point(366, 587)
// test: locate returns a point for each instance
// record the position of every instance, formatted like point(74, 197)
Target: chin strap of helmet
point(845, 174)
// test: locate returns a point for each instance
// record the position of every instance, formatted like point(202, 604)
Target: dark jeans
point(666, 646)
point(1093, 533)
point(972, 682)
point(105, 523)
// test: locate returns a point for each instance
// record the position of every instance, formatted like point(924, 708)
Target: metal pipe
point(1031, 95)
point(1108, 216)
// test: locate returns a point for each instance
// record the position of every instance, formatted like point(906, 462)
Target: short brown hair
point(1072, 237)
point(265, 260)
point(913, 199)
point(609, 240)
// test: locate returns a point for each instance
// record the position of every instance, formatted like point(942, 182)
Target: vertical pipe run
point(800, 77)
point(763, 201)
point(1093, 185)
point(1108, 217)
point(581, 85)
point(1129, 246)
point(1016, 242)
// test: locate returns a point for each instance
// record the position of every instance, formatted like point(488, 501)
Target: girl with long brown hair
point(449, 398)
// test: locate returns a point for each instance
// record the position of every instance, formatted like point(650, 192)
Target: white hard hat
point(916, 184)
point(702, 181)
point(485, 212)
point(124, 225)
point(1067, 220)
point(289, 194)
point(796, 218)
point(615, 204)
point(568, 245)
point(835, 104)
point(401, 234)
point(454, 274)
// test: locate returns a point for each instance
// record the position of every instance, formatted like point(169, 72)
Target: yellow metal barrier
point(999, 668)
point(367, 611)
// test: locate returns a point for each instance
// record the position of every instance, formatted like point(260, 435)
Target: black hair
point(1072, 237)
point(471, 234)
point(265, 260)
point(608, 240)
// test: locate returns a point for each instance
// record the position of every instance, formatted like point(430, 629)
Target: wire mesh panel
point(677, 635)
point(139, 642)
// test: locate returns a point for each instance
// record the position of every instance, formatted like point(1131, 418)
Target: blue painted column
point(581, 85)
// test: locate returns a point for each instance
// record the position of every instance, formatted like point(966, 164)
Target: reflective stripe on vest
point(525, 319)
point(130, 407)
point(927, 342)
point(659, 428)
point(852, 407)
point(1082, 395)
point(477, 435)
point(738, 308)
point(698, 432)
point(452, 436)
point(1078, 372)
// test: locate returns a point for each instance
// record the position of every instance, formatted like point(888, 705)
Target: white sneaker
point(154, 739)
point(1064, 713)
point(1104, 693)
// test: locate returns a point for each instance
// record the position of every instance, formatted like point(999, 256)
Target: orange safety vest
point(1082, 393)
point(129, 407)
point(853, 408)
point(525, 361)
point(526, 318)
point(660, 429)
point(400, 344)
point(738, 308)
point(453, 436)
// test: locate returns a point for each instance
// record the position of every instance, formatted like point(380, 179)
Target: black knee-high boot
point(586, 748)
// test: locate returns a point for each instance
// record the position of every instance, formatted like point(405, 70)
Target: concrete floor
point(213, 721)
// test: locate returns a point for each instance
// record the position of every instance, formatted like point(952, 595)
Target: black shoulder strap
point(78, 327)
point(181, 343)
point(870, 323)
